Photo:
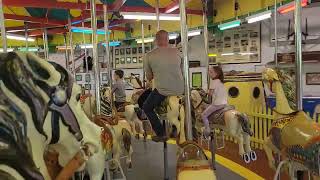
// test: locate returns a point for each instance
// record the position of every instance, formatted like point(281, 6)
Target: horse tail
point(245, 124)
point(126, 138)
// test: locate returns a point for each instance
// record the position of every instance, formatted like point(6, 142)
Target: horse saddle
point(101, 119)
point(217, 118)
point(162, 109)
point(141, 115)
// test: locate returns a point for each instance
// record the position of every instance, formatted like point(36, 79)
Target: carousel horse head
point(50, 100)
point(269, 75)
point(135, 81)
point(196, 98)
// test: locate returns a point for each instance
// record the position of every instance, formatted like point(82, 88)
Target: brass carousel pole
point(184, 43)
point(143, 51)
point(206, 38)
point(66, 50)
point(71, 47)
point(26, 35)
point(45, 43)
point(158, 14)
point(275, 34)
point(3, 29)
point(297, 25)
point(85, 49)
point(109, 62)
point(95, 54)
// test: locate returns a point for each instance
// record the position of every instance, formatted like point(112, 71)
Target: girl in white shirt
point(218, 93)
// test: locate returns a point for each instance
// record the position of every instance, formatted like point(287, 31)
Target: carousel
point(59, 119)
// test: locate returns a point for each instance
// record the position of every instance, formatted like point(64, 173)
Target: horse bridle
point(59, 96)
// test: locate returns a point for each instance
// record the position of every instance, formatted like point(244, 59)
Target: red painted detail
point(49, 4)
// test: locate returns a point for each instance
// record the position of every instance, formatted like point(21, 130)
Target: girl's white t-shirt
point(219, 96)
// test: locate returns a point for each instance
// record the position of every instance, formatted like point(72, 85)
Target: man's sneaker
point(159, 138)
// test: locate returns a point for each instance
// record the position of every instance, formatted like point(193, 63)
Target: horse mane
point(13, 131)
point(19, 79)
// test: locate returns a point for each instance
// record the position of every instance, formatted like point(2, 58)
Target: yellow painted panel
point(225, 10)
point(163, 3)
point(19, 11)
point(12, 23)
point(6, 10)
point(247, 6)
point(170, 26)
point(195, 4)
point(75, 13)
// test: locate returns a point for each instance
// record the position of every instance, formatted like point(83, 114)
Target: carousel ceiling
point(53, 14)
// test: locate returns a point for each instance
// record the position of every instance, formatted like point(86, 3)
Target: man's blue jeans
point(154, 100)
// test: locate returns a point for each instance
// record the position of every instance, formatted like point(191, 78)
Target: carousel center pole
point(299, 88)
point(184, 43)
point(109, 66)
point(95, 54)
point(3, 29)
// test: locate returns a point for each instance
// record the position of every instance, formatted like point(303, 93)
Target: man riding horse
point(163, 65)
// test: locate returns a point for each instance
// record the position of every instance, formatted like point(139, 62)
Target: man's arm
point(147, 68)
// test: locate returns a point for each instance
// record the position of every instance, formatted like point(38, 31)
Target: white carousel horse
point(293, 135)
point(171, 109)
point(233, 122)
point(47, 102)
point(120, 129)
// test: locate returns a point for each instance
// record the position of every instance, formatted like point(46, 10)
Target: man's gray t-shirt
point(119, 90)
point(165, 66)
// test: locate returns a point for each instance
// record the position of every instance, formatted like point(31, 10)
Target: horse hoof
point(253, 156)
point(130, 166)
point(246, 158)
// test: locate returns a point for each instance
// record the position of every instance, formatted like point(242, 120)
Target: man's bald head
point(162, 38)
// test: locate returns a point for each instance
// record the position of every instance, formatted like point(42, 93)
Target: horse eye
point(78, 97)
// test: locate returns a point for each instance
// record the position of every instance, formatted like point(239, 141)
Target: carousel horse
point(133, 114)
point(293, 134)
point(39, 107)
point(171, 109)
point(119, 130)
point(229, 120)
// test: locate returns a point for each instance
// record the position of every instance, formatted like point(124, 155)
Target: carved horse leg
point(269, 148)
point(173, 112)
point(247, 147)
point(242, 153)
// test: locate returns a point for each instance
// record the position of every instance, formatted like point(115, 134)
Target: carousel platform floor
point(148, 163)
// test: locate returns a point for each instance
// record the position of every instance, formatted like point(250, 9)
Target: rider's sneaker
point(159, 138)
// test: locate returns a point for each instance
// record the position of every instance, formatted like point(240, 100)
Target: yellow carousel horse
point(293, 134)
